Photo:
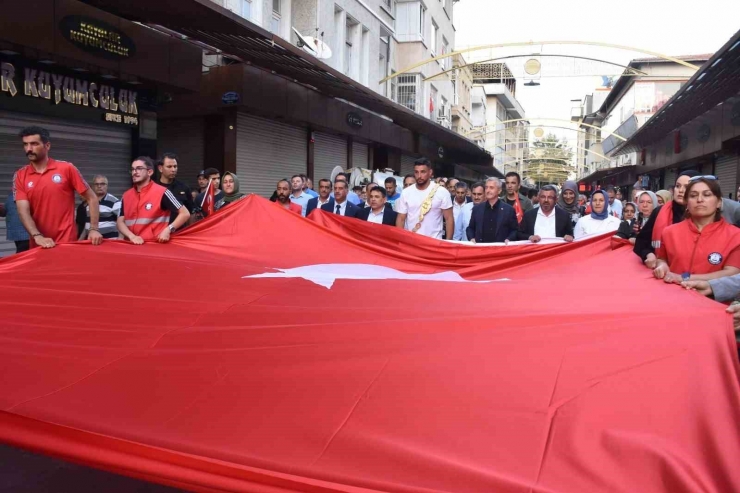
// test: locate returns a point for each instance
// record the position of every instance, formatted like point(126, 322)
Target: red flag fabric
point(431, 105)
point(209, 199)
point(335, 355)
point(518, 208)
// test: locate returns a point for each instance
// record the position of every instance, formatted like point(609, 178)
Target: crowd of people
point(688, 236)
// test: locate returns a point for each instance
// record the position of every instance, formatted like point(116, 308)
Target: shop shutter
point(359, 155)
point(185, 137)
point(670, 179)
point(407, 165)
point(725, 169)
point(328, 151)
point(95, 148)
point(267, 151)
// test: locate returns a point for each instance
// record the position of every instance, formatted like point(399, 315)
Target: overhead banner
point(261, 351)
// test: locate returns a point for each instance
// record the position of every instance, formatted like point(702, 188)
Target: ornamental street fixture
point(538, 43)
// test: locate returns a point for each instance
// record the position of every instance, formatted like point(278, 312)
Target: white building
point(636, 98)
point(372, 39)
point(505, 140)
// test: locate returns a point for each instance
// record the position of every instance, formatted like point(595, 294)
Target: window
point(433, 38)
point(351, 48)
point(408, 88)
point(247, 9)
point(276, 14)
point(388, 4)
point(446, 62)
point(432, 101)
point(422, 14)
point(384, 60)
point(394, 87)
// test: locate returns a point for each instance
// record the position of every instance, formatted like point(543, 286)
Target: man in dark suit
point(379, 211)
point(492, 221)
point(547, 220)
point(341, 205)
point(324, 197)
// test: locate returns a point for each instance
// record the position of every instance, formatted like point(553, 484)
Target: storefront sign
point(230, 97)
point(97, 37)
point(354, 120)
point(58, 88)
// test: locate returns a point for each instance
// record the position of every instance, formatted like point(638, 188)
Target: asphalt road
point(22, 472)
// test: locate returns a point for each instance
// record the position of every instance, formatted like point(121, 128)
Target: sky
point(667, 27)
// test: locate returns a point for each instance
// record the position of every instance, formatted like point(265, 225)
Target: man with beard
point(167, 167)
point(423, 205)
point(283, 197)
point(44, 193)
point(146, 207)
point(546, 221)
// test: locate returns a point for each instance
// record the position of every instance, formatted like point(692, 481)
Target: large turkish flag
point(261, 351)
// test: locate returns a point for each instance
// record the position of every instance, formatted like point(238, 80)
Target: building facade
point(506, 140)
point(697, 128)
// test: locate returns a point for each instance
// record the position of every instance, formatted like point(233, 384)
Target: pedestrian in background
point(109, 208)
point(14, 230)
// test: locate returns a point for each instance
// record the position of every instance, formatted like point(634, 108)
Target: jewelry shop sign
point(97, 38)
point(119, 105)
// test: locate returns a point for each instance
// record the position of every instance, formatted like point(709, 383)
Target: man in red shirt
point(44, 192)
point(283, 197)
point(146, 208)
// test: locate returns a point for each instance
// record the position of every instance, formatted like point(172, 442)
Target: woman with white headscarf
point(646, 202)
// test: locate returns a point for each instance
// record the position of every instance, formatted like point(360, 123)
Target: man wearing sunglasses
point(146, 207)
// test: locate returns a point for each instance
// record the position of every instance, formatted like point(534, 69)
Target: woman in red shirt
point(703, 246)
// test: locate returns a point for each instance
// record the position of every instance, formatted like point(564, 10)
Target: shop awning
point(714, 83)
point(204, 21)
point(603, 174)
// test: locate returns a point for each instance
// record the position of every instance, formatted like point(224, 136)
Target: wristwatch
point(171, 228)
point(686, 276)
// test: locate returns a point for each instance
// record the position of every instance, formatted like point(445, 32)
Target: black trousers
point(21, 246)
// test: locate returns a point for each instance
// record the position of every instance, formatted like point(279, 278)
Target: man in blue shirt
point(463, 218)
point(391, 191)
point(299, 196)
point(14, 230)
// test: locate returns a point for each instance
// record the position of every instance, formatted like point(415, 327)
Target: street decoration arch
point(631, 71)
point(514, 120)
point(539, 43)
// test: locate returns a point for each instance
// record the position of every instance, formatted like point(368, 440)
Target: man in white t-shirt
point(409, 206)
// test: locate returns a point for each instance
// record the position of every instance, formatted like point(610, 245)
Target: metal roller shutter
point(184, 137)
point(407, 165)
point(725, 169)
point(670, 179)
point(359, 155)
point(95, 148)
point(329, 151)
point(267, 151)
